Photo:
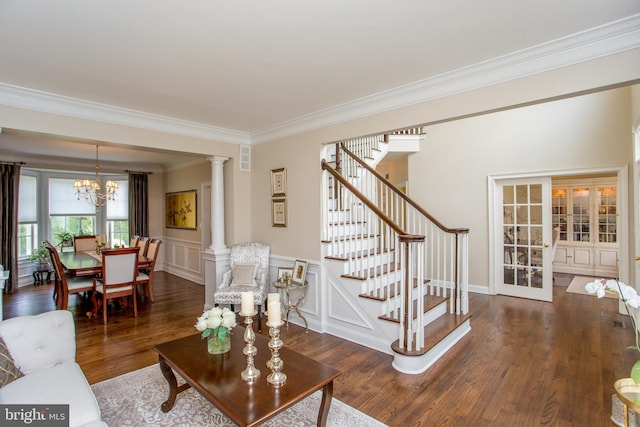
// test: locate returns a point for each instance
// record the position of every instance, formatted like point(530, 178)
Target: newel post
point(411, 248)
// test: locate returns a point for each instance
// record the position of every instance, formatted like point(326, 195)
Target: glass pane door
point(526, 235)
point(607, 215)
point(581, 214)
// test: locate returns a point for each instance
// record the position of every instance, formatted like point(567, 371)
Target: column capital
point(217, 159)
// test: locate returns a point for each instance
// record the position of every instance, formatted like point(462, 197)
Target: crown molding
point(609, 39)
point(597, 42)
point(30, 99)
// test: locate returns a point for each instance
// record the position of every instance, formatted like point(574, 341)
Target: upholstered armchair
point(249, 263)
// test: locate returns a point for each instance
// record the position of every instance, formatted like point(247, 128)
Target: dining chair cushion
point(74, 283)
point(244, 275)
point(9, 371)
point(100, 288)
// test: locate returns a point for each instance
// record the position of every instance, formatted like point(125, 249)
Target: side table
point(285, 298)
point(628, 392)
point(40, 276)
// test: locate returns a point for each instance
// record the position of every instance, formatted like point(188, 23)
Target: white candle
point(273, 311)
point(275, 297)
point(246, 299)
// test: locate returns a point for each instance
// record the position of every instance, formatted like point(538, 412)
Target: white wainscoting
point(310, 307)
point(182, 258)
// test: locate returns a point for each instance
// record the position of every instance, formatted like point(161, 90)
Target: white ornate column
point(216, 257)
point(217, 203)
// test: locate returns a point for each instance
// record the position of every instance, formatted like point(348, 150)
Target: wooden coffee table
point(217, 378)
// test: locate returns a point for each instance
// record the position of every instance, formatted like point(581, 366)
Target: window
point(27, 215)
point(118, 216)
point(66, 212)
point(48, 206)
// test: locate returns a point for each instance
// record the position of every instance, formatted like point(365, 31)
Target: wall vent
point(245, 158)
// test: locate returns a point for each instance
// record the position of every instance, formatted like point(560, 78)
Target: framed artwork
point(285, 272)
point(299, 272)
point(278, 212)
point(180, 209)
point(278, 182)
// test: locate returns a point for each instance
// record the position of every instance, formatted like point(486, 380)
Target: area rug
point(134, 399)
point(577, 286)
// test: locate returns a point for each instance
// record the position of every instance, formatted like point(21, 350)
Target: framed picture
point(180, 209)
point(278, 182)
point(279, 212)
point(299, 272)
point(285, 271)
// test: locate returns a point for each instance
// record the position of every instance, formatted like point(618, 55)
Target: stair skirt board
point(419, 364)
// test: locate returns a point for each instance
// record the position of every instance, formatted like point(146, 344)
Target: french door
point(522, 227)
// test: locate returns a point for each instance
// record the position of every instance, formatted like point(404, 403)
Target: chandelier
point(91, 190)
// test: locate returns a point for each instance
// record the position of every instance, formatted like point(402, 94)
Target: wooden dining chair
point(143, 244)
point(84, 243)
point(134, 241)
point(145, 277)
point(65, 285)
point(119, 271)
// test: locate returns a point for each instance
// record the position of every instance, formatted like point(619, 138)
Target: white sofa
point(44, 348)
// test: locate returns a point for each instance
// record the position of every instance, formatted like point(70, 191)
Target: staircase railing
point(445, 260)
point(397, 276)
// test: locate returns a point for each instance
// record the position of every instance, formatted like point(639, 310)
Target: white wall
point(449, 175)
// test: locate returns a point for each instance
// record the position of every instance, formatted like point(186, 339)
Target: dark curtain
point(138, 204)
point(9, 185)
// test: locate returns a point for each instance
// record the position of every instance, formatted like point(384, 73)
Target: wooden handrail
point(404, 196)
point(395, 227)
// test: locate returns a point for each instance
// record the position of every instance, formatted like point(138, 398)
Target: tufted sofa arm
point(41, 341)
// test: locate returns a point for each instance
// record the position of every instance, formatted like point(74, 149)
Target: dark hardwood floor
point(524, 363)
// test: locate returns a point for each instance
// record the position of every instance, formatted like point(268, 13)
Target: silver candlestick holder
point(251, 373)
point(276, 378)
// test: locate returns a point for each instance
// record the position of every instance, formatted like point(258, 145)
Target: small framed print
point(299, 272)
point(284, 272)
point(278, 182)
point(278, 212)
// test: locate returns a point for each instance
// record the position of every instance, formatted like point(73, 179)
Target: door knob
point(546, 245)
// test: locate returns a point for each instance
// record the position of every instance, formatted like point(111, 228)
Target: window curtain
point(9, 185)
point(138, 203)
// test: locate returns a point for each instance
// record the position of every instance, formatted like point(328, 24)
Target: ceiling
point(257, 68)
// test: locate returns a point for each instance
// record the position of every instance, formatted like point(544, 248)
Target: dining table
point(89, 263)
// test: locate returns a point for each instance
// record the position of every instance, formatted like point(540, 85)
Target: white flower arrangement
point(627, 294)
point(216, 322)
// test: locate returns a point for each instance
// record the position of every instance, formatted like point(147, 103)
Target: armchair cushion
point(8, 369)
point(244, 275)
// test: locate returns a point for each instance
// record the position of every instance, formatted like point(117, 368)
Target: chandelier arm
point(90, 191)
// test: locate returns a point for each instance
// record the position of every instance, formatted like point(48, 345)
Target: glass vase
point(219, 343)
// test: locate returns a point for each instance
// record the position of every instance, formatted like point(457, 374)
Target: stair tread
point(434, 333)
point(351, 237)
point(374, 272)
point(428, 302)
point(374, 295)
point(358, 255)
point(347, 223)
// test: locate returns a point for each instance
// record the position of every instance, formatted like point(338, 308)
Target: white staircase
point(395, 279)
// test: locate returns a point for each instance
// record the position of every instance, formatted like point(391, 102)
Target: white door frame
point(495, 263)
point(636, 204)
